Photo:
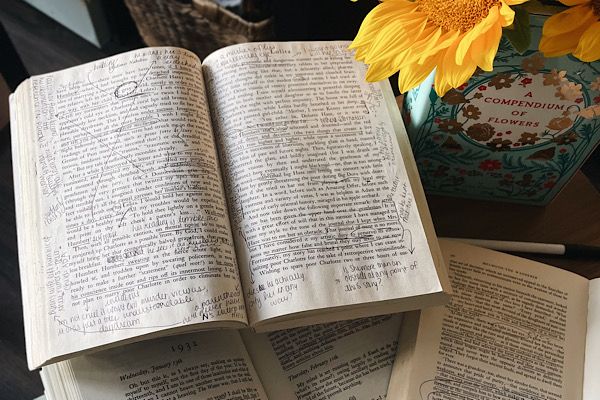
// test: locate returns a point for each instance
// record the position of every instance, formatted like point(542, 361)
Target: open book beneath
point(515, 329)
point(334, 361)
point(267, 187)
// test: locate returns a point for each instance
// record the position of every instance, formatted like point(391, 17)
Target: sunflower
point(576, 30)
point(416, 37)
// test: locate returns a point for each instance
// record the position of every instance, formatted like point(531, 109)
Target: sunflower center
point(458, 15)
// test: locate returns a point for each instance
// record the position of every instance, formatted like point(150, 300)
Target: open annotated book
point(268, 187)
point(515, 330)
point(335, 361)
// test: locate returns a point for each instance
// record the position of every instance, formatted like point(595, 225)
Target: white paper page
point(338, 361)
point(515, 329)
point(318, 191)
point(135, 233)
point(207, 365)
point(591, 374)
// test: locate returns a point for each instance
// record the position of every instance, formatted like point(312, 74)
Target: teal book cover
point(516, 134)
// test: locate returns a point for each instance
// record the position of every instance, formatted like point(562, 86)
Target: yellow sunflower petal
point(588, 49)
point(400, 32)
point(444, 42)
point(440, 84)
point(560, 45)
point(484, 48)
point(568, 21)
point(507, 14)
point(394, 38)
point(414, 52)
point(412, 76)
point(379, 71)
point(380, 16)
point(515, 2)
point(480, 29)
point(453, 73)
point(386, 67)
point(403, 58)
point(427, 51)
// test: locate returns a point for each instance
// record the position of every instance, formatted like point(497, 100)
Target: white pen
point(567, 250)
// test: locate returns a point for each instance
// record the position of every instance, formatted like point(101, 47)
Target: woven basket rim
point(202, 5)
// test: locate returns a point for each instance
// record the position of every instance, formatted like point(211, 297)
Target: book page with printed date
point(515, 329)
point(327, 210)
point(335, 361)
point(123, 225)
point(204, 365)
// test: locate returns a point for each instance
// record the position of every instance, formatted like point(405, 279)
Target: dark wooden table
point(572, 217)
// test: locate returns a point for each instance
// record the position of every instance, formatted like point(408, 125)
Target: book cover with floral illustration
point(515, 134)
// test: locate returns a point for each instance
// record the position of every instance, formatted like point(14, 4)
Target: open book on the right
point(515, 329)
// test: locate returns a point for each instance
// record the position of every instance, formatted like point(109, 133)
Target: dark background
point(43, 45)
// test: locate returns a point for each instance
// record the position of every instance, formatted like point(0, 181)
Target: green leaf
point(519, 33)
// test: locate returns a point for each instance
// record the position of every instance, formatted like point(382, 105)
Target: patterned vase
point(515, 134)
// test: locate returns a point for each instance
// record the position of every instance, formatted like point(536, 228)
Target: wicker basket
point(197, 25)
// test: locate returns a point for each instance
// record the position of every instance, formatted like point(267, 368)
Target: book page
point(591, 375)
point(134, 232)
point(321, 205)
point(337, 361)
point(207, 365)
point(515, 329)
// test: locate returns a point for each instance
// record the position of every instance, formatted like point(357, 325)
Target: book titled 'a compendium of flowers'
point(503, 97)
point(267, 187)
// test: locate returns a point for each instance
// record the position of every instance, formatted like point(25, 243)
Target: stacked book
point(253, 226)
